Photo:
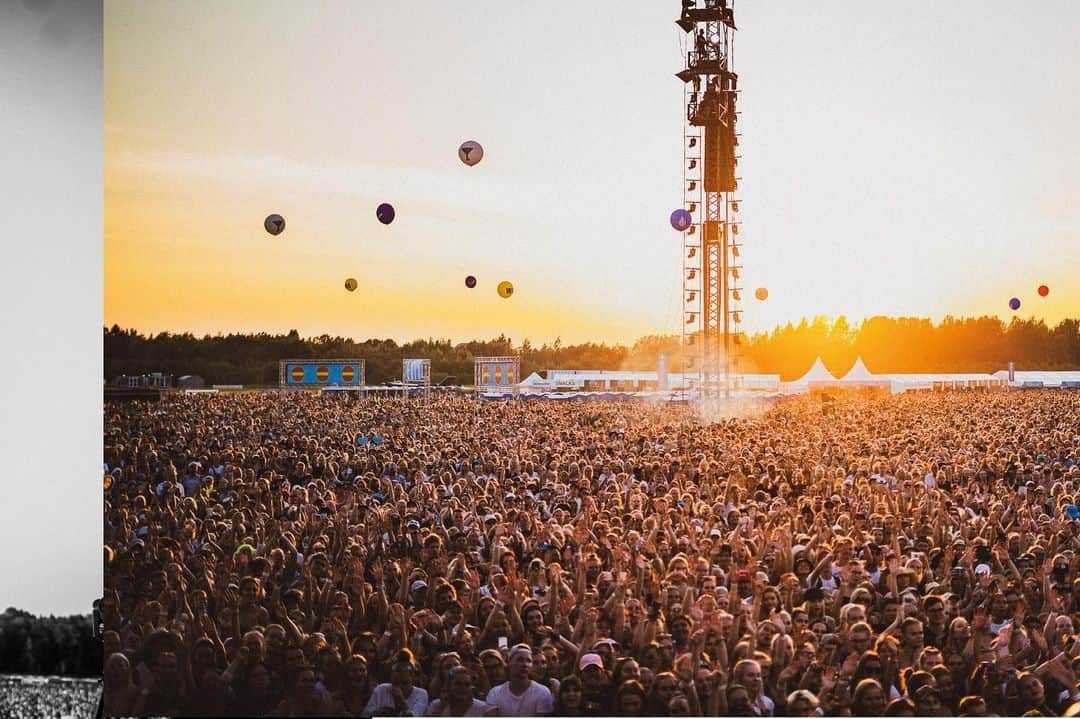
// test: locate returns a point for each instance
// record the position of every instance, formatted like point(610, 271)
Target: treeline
point(983, 344)
point(912, 344)
point(253, 359)
point(48, 645)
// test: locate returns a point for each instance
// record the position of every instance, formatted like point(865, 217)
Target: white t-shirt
point(383, 698)
point(536, 700)
point(763, 706)
point(439, 708)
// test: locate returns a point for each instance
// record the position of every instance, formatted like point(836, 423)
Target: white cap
point(982, 569)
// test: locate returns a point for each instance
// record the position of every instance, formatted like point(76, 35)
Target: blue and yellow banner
point(322, 373)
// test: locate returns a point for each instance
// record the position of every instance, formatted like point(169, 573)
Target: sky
point(919, 159)
point(51, 295)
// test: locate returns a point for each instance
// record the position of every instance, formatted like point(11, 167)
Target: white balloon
point(471, 152)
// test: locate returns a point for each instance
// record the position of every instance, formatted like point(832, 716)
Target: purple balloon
point(470, 282)
point(1014, 303)
point(681, 219)
point(385, 213)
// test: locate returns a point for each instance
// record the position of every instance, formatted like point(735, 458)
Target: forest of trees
point(48, 645)
point(886, 344)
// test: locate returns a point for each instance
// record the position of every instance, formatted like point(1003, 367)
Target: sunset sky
point(915, 159)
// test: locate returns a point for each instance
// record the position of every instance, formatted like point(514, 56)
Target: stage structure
point(711, 298)
point(416, 373)
point(312, 373)
point(494, 374)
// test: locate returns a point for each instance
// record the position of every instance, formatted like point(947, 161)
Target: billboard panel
point(321, 372)
point(416, 371)
point(493, 373)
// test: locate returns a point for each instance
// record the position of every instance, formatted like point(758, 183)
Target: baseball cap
point(590, 660)
point(518, 648)
point(982, 569)
point(418, 585)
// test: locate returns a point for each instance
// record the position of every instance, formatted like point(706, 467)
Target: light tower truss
point(711, 293)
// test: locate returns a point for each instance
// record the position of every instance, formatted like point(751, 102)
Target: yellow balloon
point(505, 289)
point(761, 293)
point(350, 284)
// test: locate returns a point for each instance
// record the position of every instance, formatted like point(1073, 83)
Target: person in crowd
point(569, 703)
point(520, 696)
point(119, 690)
point(400, 696)
point(460, 700)
point(356, 688)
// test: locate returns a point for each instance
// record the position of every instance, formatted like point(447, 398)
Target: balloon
point(471, 152)
point(385, 213)
point(761, 294)
point(681, 219)
point(377, 439)
point(470, 282)
point(1043, 290)
point(362, 440)
point(505, 289)
point(1014, 303)
point(274, 224)
point(350, 284)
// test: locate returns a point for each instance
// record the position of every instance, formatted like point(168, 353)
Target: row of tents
point(819, 377)
point(568, 385)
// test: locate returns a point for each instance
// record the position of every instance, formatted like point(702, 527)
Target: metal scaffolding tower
point(711, 298)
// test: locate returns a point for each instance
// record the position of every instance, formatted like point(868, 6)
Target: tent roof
point(817, 373)
point(859, 373)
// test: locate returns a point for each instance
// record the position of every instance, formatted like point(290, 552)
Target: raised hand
point(828, 679)
point(1039, 640)
point(697, 640)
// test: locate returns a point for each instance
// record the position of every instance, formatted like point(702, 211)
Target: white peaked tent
point(535, 383)
point(859, 376)
point(818, 374)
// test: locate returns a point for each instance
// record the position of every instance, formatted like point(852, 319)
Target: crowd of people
point(39, 698)
point(908, 555)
